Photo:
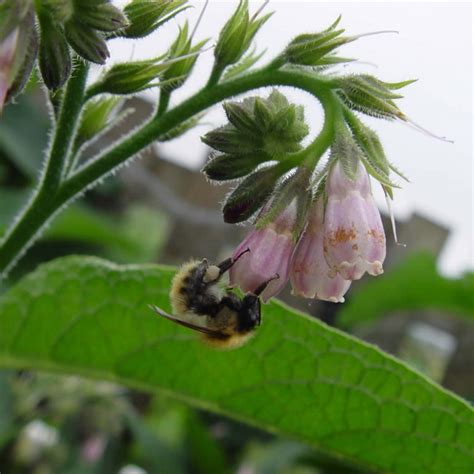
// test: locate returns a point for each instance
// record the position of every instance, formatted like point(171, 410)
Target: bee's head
point(249, 315)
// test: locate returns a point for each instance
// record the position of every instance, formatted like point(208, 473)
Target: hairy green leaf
point(297, 376)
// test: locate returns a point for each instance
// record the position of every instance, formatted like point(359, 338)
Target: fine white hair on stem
point(410, 123)
point(184, 56)
point(392, 220)
point(373, 33)
point(199, 20)
point(357, 62)
point(265, 3)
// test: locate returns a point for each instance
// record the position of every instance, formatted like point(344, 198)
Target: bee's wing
point(209, 332)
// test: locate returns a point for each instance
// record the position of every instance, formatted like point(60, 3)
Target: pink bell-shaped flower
point(354, 238)
point(270, 253)
point(309, 272)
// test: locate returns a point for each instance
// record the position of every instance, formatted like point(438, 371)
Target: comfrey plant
point(317, 222)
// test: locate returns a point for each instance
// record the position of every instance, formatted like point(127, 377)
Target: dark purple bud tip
point(237, 212)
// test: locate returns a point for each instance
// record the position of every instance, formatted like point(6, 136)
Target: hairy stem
point(41, 205)
point(163, 103)
point(31, 222)
point(66, 126)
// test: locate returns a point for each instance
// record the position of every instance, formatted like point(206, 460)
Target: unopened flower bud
point(178, 71)
point(354, 238)
point(54, 56)
point(250, 195)
point(236, 35)
point(371, 96)
point(313, 49)
point(99, 16)
point(129, 78)
point(145, 16)
point(309, 273)
point(226, 167)
point(270, 253)
point(87, 42)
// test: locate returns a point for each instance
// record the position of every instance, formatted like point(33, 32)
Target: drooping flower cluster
point(320, 229)
point(342, 240)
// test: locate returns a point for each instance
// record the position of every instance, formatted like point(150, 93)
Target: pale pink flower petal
point(310, 273)
point(354, 238)
point(271, 248)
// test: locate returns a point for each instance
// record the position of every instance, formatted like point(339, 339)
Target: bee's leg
point(251, 303)
point(228, 262)
point(260, 289)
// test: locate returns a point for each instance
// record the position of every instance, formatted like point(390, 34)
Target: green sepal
point(377, 173)
point(236, 35)
point(241, 116)
point(130, 77)
point(96, 116)
point(251, 194)
point(177, 72)
point(375, 161)
point(289, 124)
point(266, 127)
point(398, 172)
point(312, 49)
point(226, 167)
point(294, 187)
point(345, 150)
point(228, 139)
point(86, 41)
point(369, 95)
point(244, 65)
point(99, 16)
point(263, 114)
point(54, 55)
point(146, 16)
point(61, 10)
point(182, 128)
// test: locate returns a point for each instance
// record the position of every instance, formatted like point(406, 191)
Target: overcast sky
point(434, 44)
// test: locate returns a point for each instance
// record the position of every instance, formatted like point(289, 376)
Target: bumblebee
point(201, 304)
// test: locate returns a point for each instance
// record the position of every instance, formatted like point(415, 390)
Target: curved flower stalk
point(310, 274)
point(260, 149)
point(354, 238)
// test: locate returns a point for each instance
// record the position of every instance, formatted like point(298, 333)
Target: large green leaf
point(414, 284)
point(297, 377)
